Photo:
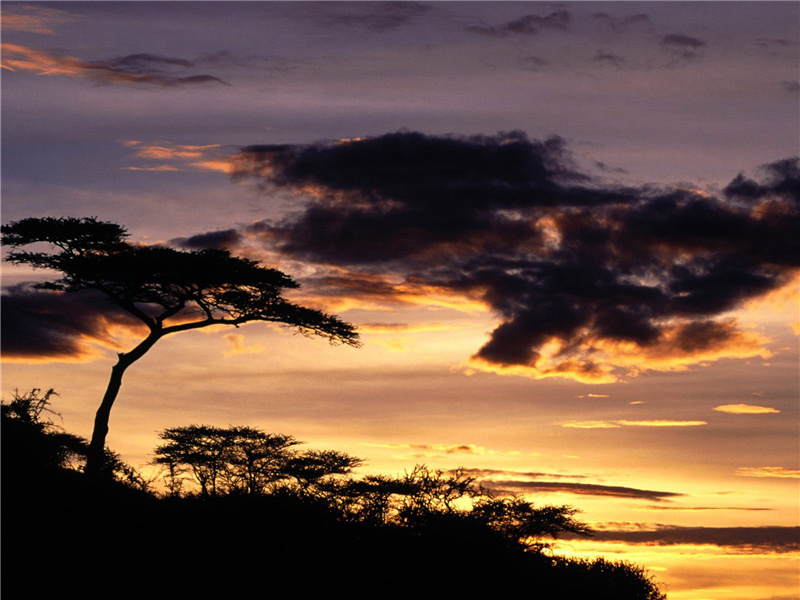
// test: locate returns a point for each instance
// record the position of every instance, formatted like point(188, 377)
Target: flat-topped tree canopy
point(197, 288)
point(154, 283)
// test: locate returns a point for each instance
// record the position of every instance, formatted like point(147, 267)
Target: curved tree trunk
point(95, 457)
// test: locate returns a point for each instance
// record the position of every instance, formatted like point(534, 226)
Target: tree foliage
point(156, 283)
point(33, 439)
point(168, 290)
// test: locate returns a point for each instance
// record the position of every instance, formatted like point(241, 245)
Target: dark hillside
point(65, 535)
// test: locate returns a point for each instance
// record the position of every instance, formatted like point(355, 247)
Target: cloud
point(776, 472)
point(745, 539)
point(209, 157)
point(608, 58)
point(525, 25)
point(221, 240)
point(515, 475)
point(529, 482)
point(33, 19)
point(682, 48)
point(745, 409)
point(624, 423)
point(589, 280)
point(438, 450)
point(43, 325)
point(676, 40)
point(532, 63)
point(582, 489)
point(136, 69)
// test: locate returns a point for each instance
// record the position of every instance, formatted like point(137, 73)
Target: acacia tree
point(168, 290)
point(241, 460)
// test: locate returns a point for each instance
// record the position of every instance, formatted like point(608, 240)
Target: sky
point(566, 233)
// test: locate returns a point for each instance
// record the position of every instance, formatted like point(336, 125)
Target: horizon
point(564, 231)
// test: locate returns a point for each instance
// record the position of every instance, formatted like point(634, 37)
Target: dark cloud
point(608, 58)
point(145, 61)
point(222, 240)
point(163, 71)
point(745, 539)
point(525, 25)
point(558, 256)
point(775, 43)
point(793, 86)
point(582, 489)
point(604, 167)
point(39, 324)
point(677, 40)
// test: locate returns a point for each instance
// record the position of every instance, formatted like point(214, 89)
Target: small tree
point(521, 522)
point(312, 469)
point(166, 289)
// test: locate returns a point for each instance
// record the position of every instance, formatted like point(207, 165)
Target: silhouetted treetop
point(210, 286)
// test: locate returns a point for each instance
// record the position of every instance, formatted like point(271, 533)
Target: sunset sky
point(567, 233)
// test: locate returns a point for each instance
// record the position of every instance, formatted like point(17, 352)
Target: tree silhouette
point(166, 289)
point(242, 460)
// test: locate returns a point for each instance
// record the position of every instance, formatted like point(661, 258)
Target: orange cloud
point(778, 472)
point(20, 58)
point(33, 19)
point(172, 151)
point(745, 409)
point(207, 157)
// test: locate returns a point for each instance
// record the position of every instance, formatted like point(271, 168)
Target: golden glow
point(218, 165)
point(745, 409)
point(781, 305)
